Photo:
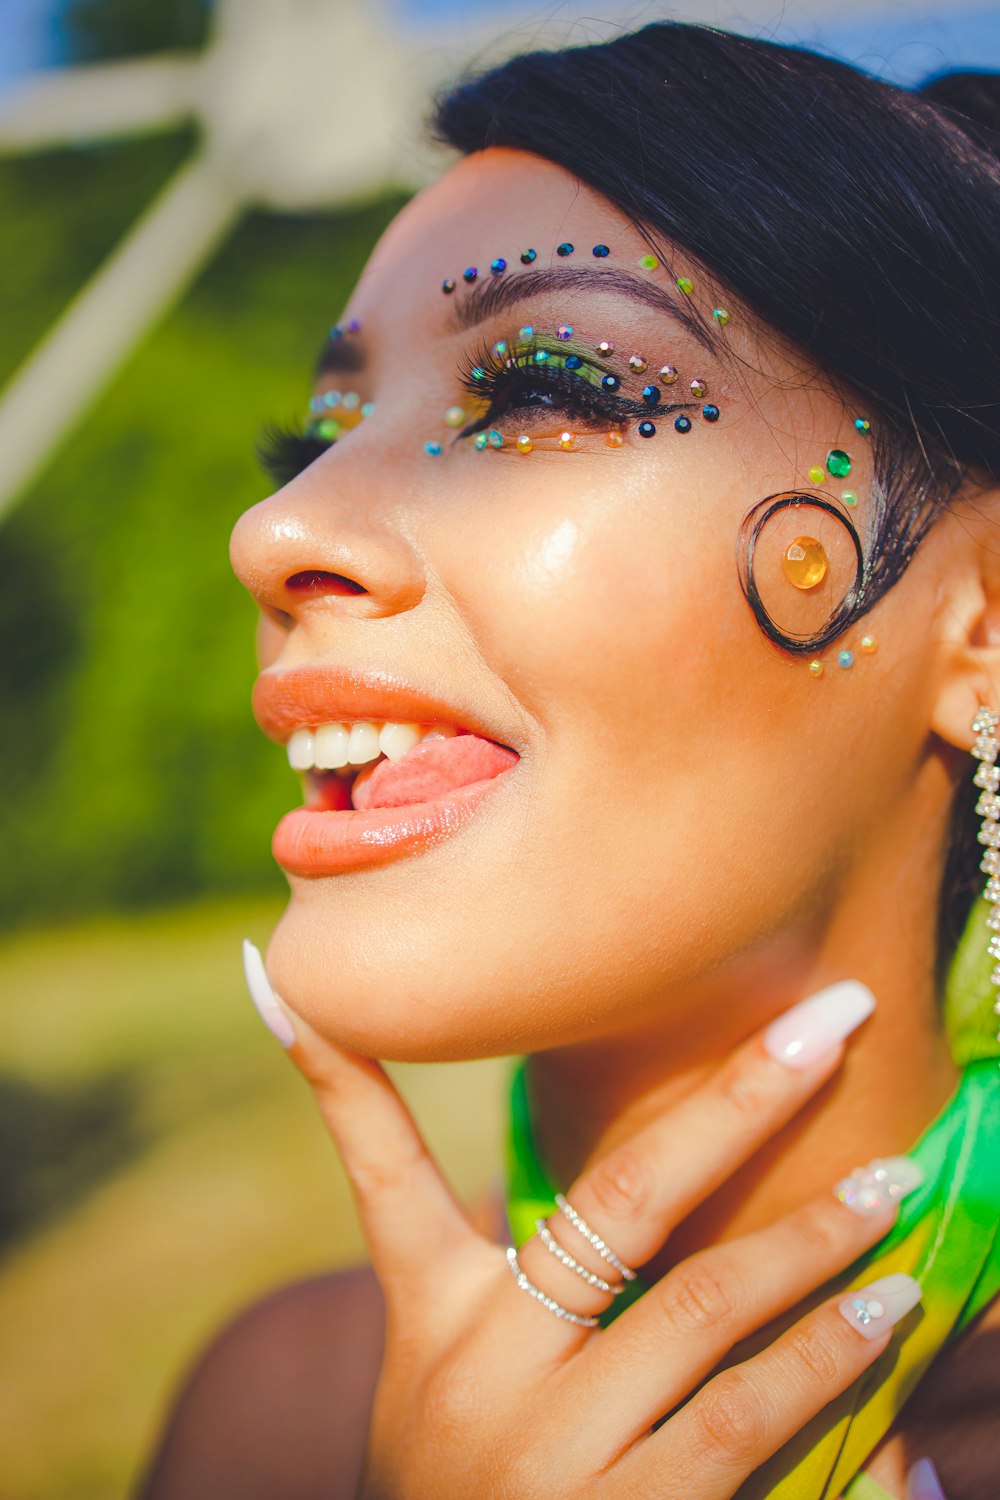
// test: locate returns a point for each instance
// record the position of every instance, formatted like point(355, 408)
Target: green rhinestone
point(648, 263)
point(816, 475)
point(685, 284)
point(850, 497)
point(329, 428)
point(479, 441)
point(720, 315)
point(838, 463)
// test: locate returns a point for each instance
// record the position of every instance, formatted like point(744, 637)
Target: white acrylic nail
point(810, 1029)
point(870, 1190)
point(874, 1309)
point(923, 1482)
point(265, 1000)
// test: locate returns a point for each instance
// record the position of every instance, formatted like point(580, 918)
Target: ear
point(969, 619)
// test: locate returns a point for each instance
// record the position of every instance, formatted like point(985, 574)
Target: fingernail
point(265, 1000)
point(870, 1190)
point(876, 1308)
point(922, 1482)
point(803, 1034)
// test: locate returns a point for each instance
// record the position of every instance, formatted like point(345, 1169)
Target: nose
point(310, 545)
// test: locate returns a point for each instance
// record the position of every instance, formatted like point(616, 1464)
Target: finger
point(409, 1214)
point(650, 1360)
point(637, 1193)
point(739, 1419)
point(923, 1482)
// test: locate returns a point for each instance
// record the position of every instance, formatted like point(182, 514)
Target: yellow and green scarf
point(947, 1236)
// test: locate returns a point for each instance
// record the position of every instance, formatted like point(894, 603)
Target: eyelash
point(283, 452)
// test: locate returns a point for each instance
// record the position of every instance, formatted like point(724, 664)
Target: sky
point(901, 40)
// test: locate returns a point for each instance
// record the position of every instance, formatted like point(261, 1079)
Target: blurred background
point(188, 191)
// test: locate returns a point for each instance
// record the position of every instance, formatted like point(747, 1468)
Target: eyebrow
point(499, 294)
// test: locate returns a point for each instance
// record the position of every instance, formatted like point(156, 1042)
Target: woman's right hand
point(485, 1393)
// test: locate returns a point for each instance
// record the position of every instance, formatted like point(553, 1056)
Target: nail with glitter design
point(874, 1309)
point(869, 1191)
point(816, 1025)
point(266, 1002)
point(923, 1482)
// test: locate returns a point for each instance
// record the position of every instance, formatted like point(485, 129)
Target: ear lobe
point(970, 639)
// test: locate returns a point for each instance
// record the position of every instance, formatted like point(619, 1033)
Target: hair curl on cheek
point(851, 603)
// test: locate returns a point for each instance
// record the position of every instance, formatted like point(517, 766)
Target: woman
point(698, 837)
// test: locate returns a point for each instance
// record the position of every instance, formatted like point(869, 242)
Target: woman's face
point(686, 799)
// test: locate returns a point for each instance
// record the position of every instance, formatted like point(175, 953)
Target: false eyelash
point(283, 452)
point(498, 380)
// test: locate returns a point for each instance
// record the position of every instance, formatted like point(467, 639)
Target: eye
point(530, 377)
point(284, 452)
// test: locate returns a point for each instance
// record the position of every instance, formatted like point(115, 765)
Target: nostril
point(319, 582)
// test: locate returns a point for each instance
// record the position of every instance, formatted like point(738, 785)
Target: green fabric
point(947, 1235)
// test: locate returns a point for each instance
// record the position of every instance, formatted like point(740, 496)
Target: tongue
point(431, 769)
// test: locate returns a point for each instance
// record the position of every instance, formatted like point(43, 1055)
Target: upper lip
point(304, 697)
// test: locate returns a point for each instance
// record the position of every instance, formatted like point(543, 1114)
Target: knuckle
point(732, 1418)
point(745, 1087)
point(697, 1295)
point(815, 1352)
point(622, 1185)
point(818, 1230)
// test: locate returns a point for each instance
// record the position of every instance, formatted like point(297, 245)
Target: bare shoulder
point(279, 1402)
point(952, 1418)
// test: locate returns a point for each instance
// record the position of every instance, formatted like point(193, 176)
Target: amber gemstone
point(804, 562)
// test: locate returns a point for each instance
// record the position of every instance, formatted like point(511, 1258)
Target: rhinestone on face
point(470, 273)
point(685, 285)
point(572, 362)
point(601, 252)
point(566, 441)
point(816, 668)
point(610, 382)
point(478, 373)
point(720, 315)
point(448, 285)
point(479, 441)
point(816, 475)
point(637, 364)
point(710, 413)
point(527, 332)
point(648, 263)
point(498, 266)
point(651, 395)
point(849, 497)
point(845, 659)
point(605, 347)
point(500, 348)
point(862, 424)
point(613, 439)
point(804, 562)
point(838, 463)
point(541, 356)
point(869, 644)
point(647, 429)
point(668, 374)
point(564, 249)
point(698, 388)
point(351, 401)
point(494, 438)
point(527, 256)
point(433, 449)
point(564, 332)
point(524, 443)
point(683, 424)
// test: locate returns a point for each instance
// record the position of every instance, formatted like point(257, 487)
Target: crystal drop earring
point(987, 778)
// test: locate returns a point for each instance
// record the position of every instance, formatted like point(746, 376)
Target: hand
point(484, 1393)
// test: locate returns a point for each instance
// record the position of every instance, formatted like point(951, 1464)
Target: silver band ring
point(550, 1242)
point(604, 1250)
point(549, 1303)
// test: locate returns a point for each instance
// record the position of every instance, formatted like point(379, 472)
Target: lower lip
point(313, 843)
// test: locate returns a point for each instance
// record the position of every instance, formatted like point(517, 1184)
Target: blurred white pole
point(98, 101)
point(67, 371)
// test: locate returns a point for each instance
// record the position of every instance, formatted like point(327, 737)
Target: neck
point(896, 1076)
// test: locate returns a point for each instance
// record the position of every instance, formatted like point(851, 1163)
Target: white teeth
point(300, 750)
point(362, 745)
point(330, 744)
point(396, 739)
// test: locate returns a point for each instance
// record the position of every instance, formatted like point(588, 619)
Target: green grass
point(225, 1186)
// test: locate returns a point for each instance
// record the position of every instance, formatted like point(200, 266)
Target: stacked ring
point(551, 1244)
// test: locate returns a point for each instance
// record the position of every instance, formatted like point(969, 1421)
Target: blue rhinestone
point(331, 398)
point(368, 409)
point(317, 403)
point(495, 439)
point(651, 394)
point(527, 332)
point(600, 251)
point(845, 659)
point(647, 429)
point(710, 413)
point(448, 285)
point(478, 373)
point(565, 248)
point(470, 273)
point(541, 356)
point(573, 361)
point(683, 424)
point(354, 326)
point(610, 382)
point(432, 448)
point(527, 256)
point(497, 266)
point(479, 441)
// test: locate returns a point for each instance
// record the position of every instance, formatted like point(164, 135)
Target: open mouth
point(365, 765)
